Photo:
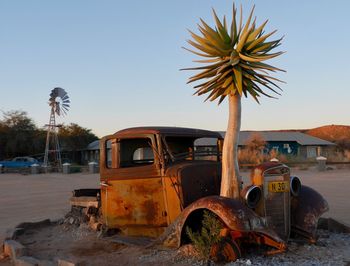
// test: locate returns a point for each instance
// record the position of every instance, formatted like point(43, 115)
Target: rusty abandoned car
point(157, 181)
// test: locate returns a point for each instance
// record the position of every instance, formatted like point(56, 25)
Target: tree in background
point(19, 136)
point(253, 151)
point(75, 137)
point(234, 68)
point(3, 140)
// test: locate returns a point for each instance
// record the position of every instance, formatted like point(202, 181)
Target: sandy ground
point(30, 198)
point(334, 185)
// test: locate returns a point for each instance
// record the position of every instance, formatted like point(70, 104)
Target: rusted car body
point(156, 181)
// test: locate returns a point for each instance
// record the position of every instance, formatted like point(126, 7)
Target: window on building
point(311, 151)
point(287, 147)
point(275, 148)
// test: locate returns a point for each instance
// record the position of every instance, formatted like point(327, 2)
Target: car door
point(132, 194)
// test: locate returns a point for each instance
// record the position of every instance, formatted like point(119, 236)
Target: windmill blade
point(61, 92)
point(59, 100)
point(65, 97)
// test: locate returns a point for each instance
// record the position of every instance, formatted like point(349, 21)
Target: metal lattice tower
point(59, 103)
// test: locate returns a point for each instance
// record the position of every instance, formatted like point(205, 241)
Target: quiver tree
point(233, 68)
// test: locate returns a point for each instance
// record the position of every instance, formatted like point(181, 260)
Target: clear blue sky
point(119, 61)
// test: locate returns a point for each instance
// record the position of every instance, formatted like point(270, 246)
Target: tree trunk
point(230, 179)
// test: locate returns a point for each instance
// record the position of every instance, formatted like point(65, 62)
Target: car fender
point(233, 213)
point(306, 209)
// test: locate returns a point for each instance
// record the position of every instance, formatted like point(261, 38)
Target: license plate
point(278, 186)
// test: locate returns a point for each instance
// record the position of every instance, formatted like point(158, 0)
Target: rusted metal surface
point(152, 196)
point(226, 250)
point(84, 202)
point(195, 180)
point(88, 197)
point(173, 131)
point(135, 206)
point(306, 210)
point(234, 214)
point(268, 168)
point(275, 207)
point(132, 197)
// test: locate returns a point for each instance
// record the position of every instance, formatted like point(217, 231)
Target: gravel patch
point(80, 244)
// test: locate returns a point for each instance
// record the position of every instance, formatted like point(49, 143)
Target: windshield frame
point(192, 154)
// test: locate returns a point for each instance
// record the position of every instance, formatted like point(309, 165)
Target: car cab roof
point(171, 131)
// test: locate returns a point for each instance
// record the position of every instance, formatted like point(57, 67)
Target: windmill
point(59, 103)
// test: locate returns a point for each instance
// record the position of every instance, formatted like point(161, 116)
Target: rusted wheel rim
point(224, 251)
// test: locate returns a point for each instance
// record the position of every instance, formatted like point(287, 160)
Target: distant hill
point(338, 134)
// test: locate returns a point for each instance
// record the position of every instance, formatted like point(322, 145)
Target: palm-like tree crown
point(234, 59)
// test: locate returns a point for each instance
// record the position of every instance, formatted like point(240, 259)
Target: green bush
point(207, 236)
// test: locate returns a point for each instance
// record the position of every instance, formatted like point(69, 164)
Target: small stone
point(92, 219)
point(71, 220)
point(2, 255)
point(95, 226)
point(62, 262)
point(248, 262)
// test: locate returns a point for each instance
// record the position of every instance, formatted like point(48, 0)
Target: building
point(92, 152)
point(286, 142)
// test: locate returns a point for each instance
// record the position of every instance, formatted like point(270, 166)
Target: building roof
point(95, 145)
point(209, 137)
point(270, 136)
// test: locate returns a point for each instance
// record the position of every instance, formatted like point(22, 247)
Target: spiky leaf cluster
point(235, 56)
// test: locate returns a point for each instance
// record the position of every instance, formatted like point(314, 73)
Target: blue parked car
point(19, 162)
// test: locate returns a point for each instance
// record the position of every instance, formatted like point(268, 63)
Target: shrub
point(207, 236)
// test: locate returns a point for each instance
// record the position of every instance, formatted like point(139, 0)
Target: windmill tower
point(59, 103)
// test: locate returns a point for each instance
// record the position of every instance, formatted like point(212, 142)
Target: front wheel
point(225, 250)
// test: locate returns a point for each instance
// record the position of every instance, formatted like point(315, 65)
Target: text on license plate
point(278, 186)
